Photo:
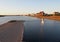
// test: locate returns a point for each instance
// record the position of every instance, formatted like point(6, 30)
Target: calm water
point(42, 30)
point(9, 18)
point(37, 30)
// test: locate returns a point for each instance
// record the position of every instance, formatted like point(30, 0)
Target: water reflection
point(41, 28)
point(42, 21)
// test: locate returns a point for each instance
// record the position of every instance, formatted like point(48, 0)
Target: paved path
point(11, 32)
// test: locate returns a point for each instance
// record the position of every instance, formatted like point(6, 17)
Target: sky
point(16, 7)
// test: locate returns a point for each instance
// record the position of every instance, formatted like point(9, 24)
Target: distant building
point(40, 13)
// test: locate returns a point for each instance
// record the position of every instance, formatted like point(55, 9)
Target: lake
point(9, 18)
point(42, 30)
point(37, 30)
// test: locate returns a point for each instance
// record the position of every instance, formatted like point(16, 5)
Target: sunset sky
point(15, 7)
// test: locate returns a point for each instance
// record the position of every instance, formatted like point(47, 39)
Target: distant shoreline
point(47, 17)
point(50, 17)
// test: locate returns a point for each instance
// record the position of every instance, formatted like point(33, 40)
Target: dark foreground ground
point(11, 32)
